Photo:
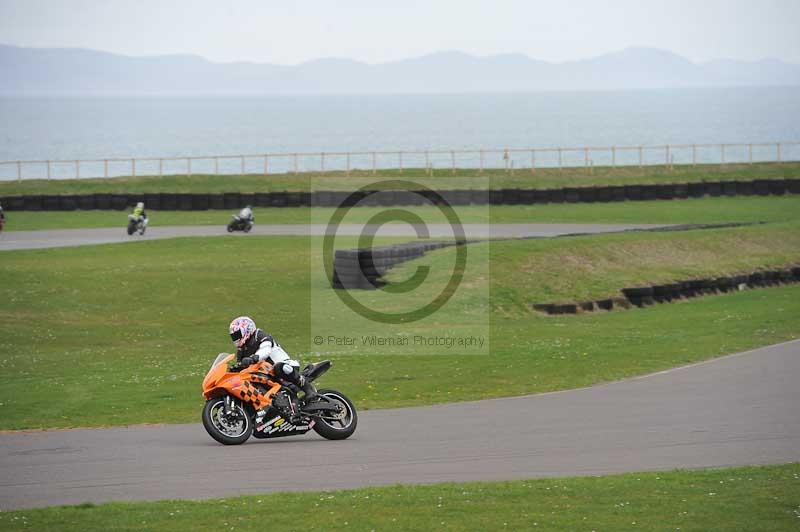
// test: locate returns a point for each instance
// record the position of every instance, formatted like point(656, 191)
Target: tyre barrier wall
point(363, 268)
point(643, 296)
point(512, 196)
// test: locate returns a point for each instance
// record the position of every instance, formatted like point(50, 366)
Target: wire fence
point(431, 161)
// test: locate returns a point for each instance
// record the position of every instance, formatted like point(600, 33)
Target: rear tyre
point(131, 227)
point(233, 430)
point(337, 426)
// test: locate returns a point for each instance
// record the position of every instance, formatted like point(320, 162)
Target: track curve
point(735, 410)
point(12, 240)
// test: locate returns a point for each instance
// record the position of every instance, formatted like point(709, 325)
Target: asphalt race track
point(740, 409)
point(10, 240)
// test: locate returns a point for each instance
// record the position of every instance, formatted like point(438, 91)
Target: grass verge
point(706, 210)
point(745, 498)
point(125, 332)
point(441, 179)
point(585, 268)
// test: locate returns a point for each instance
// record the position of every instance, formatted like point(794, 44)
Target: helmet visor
point(236, 336)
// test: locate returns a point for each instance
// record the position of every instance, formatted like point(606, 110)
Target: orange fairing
point(240, 385)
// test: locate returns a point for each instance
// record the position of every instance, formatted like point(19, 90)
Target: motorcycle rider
point(2, 218)
point(246, 215)
point(139, 214)
point(253, 345)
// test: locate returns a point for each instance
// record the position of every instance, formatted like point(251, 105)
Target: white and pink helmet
point(241, 329)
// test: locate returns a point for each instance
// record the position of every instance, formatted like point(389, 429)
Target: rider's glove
point(248, 361)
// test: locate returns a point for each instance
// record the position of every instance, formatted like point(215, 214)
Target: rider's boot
point(309, 390)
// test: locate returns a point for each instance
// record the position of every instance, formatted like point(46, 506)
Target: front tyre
point(131, 227)
point(337, 426)
point(230, 227)
point(228, 430)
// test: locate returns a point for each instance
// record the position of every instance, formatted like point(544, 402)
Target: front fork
point(229, 405)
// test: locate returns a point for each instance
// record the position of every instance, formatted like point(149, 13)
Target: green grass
point(125, 332)
point(441, 179)
point(706, 210)
point(744, 498)
point(586, 268)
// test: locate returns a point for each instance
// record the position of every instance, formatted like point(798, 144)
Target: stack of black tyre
point(642, 296)
point(363, 268)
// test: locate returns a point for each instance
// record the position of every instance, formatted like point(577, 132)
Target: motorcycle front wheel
point(232, 429)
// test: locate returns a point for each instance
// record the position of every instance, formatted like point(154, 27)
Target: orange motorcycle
point(253, 402)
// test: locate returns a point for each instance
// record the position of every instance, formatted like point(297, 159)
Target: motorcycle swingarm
point(320, 407)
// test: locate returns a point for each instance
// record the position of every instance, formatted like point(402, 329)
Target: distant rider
point(139, 214)
point(2, 217)
point(246, 215)
point(254, 345)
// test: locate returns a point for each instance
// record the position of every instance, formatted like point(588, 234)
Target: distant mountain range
point(69, 71)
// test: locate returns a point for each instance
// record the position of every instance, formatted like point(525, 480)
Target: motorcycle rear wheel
point(337, 429)
point(221, 429)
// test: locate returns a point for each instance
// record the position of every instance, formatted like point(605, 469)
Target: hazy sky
point(289, 32)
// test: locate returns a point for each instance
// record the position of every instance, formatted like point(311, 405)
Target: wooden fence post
point(188, 167)
point(266, 164)
point(133, 167)
point(533, 161)
point(105, 168)
point(48, 169)
point(77, 169)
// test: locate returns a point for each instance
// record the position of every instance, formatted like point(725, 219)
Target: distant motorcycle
point(136, 224)
point(240, 224)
